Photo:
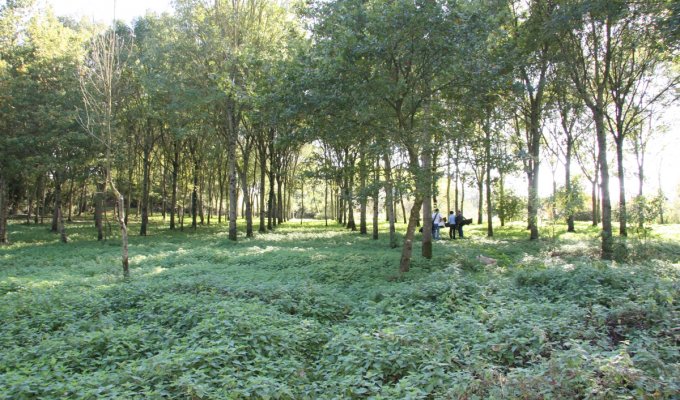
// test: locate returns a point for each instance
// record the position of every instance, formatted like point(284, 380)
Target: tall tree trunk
point(164, 188)
point(567, 186)
point(57, 203)
point(4, 235)
point(351, 224)
point(480, 205)
point(99, 210)
point(71, 190)
point(146, 174)
point(407, 249)
point(501, 199)
point(607, 238)
point(363, 198)
point(279, 199)
point(389, 203)
point(39, 202)
point(489, 204)
point(123, 229)
point(376, 197)
point(175, 173)
point(194, 194)
point(623, 215)
point(263, 172)
point(248, 207)
point(271, 215)
point(232, 133)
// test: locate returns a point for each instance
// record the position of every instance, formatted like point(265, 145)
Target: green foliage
point(314, 312)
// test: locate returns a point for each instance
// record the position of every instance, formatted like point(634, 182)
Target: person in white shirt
point(436, 219)
point(452, 225)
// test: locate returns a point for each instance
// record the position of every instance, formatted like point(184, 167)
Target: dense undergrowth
point(315, 312)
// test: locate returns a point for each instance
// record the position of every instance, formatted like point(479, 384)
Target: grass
point(313, 312)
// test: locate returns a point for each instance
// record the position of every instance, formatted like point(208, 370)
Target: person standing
point(436, 219)
point(459, 223)
point(452, 225)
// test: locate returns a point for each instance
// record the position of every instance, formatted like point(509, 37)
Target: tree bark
point(146, 162)
point(623, 215)
point(194, 193)
point(407, 249)
point(607, 238)
point(389, 203)
point(376, 197)
point(567, 185)
point(232, 133)
point(4, 235)
point(363, 198)
point(175, 173)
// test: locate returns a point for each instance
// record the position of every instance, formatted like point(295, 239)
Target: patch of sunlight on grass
point(261, 250)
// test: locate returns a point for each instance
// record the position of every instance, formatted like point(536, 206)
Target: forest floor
point(311, 312)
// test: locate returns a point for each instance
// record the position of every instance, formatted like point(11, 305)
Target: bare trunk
point(376, 197)
point(145, 190)
point(363, 198)
point(567, 180)
point(4, 236)
point(607, 238)
point(231, 163)
point(263, 172)
point(194, 196)
point(99, 210)
point(623, 215)
point(407, 249)
point(389, 202)
point(175, 173)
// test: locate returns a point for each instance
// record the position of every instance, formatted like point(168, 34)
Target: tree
point(100, 80)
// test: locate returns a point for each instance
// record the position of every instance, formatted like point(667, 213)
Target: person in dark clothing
point(459, 224)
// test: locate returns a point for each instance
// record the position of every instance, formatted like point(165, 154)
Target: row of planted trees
point(228, 108)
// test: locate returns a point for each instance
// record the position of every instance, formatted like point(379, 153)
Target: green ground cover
point(315, 312)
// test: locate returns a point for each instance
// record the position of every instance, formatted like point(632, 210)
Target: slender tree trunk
point(39, 202)
point(376, 197)
point(4, 235)
point(427, 182)
point(57, 203)
point(194, 195)
point(62, 226)
point(246, 198)
point(221, 180)
point(389, 204)
point(607, 238)
point(351, 224)
point(623, 215)
point(99, 210)
point(123, 229)
point(271, 215)
point(279, 198)
point(567, 185)
point(211, 183)
point(480, 205)
point(263, 172)
point(231, 163)
point(325, 201)
point(71, 190)
point(489, 204)
point(363, 198)
point(146, 161)
point(164, 188)
point(175, 173)
point(403, 206)
point(501, 199)
point(407, 249)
